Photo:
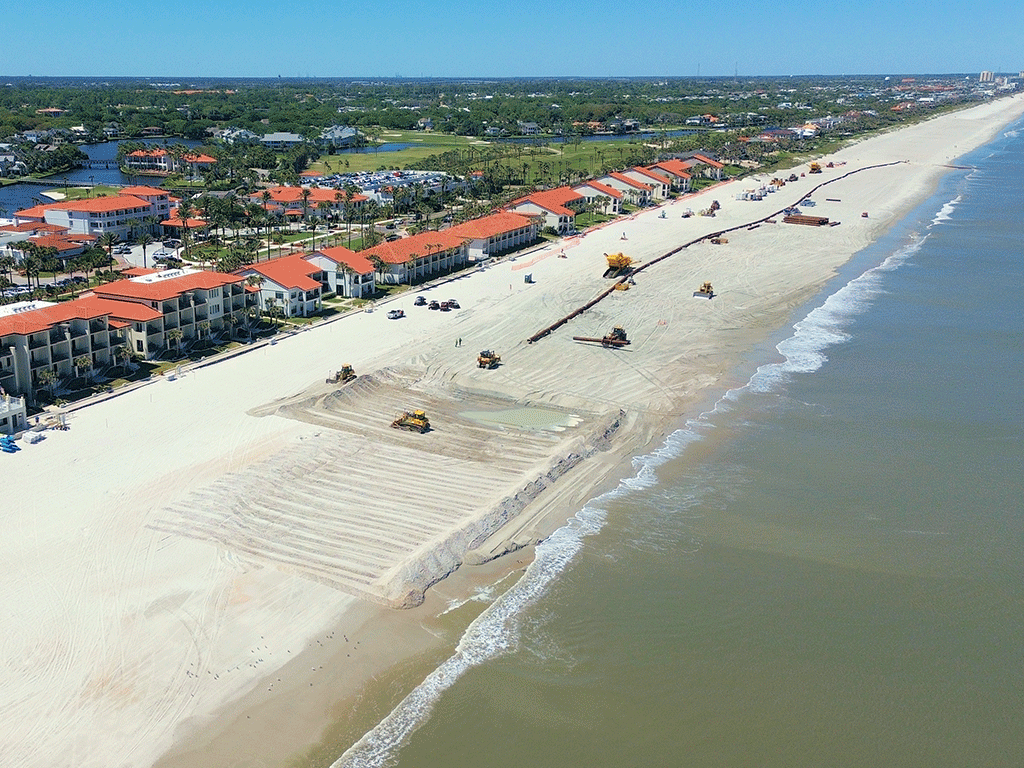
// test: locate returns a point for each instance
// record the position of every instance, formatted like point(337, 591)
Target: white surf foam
point(946, 212)
point(495, 632)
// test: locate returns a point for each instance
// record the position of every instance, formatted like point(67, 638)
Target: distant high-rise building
point(987, 77)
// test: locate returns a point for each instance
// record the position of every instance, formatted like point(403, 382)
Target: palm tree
point(108, 240)
point(174, 336)
point(272, 310)
point(124, 354)
point(185, 211)
point(83, 363)
point(145, 239)
point(47, 378)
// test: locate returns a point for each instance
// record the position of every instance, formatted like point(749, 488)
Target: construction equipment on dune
point(346, 374)
point(488, 359)
point(618, 264)
point(792, 177)
point(710, 210)
point(617, 338)
point(704, 292)
point(415, 421)
point(815, 168)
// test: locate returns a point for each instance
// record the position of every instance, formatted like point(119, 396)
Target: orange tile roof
point(199, 158)
point(41, 319)
point(604, 189)
point(148, 153)
point(168, 287)
point(131, 311)
point(192, 223)
point(489, 226)
point(34, 226)
point(143, 190)
point(342, 255)
point(554, 200)
point(649, 174)
point(63, 242)
point(674, 166)
point(35, 212)
point(138, 271)
point(631, 182)
point(423, 244)
point(88, 205)
point(288, 272)
point(709, 161)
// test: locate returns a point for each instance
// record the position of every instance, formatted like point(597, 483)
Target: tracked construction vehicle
point(415, 421)
point(704, 292)
point(617, 338)
point(488, 359)
point(346, 374)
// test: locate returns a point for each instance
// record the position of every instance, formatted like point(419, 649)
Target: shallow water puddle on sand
point(534, 419)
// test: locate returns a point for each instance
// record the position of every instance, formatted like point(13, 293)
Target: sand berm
point(204, 570)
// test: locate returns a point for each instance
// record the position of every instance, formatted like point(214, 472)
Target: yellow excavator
point(815, 168)
point(415, 421)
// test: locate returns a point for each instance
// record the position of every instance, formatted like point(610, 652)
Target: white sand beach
point(220, 558)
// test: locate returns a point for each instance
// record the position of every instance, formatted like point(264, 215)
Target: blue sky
point(529, 38)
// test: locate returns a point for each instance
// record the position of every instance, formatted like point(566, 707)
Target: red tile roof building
point(496, 234)
point(418, 257)
point(289, 283)
point(120, 214)
point(607, 198)
point(321, 201)
point(346, 273)
point(558, 207)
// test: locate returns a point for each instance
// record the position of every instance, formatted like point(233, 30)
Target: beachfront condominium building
point(142, 316)
point(171, 309)
point(556, 207)
point(289, 285)
point(603, 198)
point(344, 272)
point(42, 343)
point(418, 257)
point(496, 234)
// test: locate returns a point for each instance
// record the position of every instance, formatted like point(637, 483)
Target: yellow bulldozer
point(488, 359)
point(346, 374)
point(815, 168)
point(415, 421)
point(618, 264)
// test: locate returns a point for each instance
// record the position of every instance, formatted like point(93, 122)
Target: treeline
point(459, 107)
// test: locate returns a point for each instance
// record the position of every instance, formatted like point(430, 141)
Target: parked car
point(421, 301)
point(172, 243)
point(396, 314)
point(453, 304)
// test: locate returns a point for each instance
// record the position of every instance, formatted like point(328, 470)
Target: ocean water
point(824, 570)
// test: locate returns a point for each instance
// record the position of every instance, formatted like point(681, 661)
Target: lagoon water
point(824, 570)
